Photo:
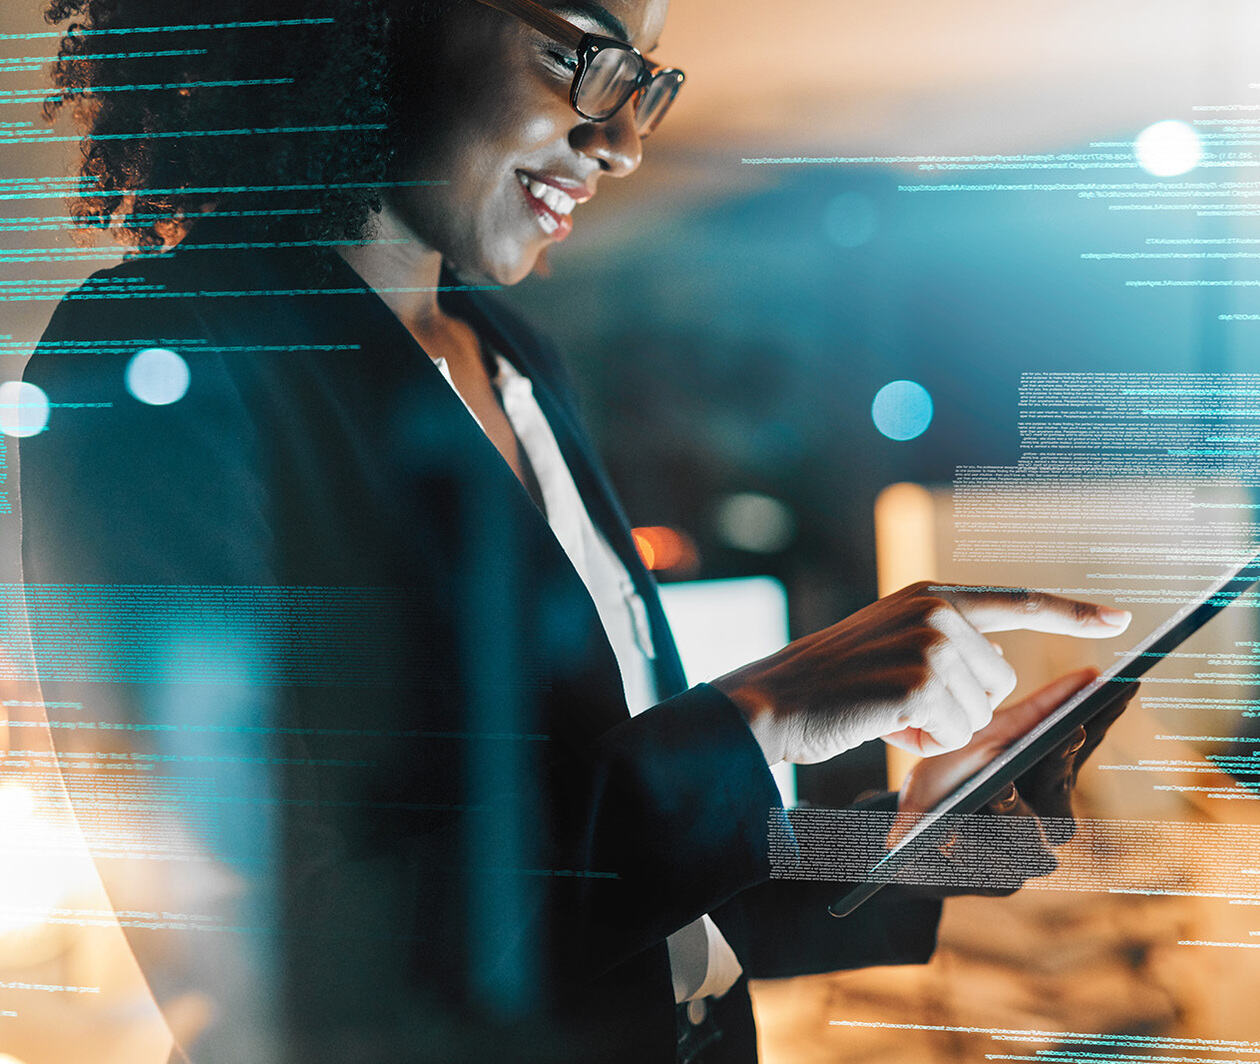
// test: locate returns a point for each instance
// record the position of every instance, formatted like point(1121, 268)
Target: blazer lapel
point(592, 483)
point(376, 324)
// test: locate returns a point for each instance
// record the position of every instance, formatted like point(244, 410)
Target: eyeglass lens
point(611, 75)
point(655, 101)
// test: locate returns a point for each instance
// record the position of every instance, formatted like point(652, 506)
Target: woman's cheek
point(539, 129)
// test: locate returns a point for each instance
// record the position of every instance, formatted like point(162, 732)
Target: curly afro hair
point(273, 113)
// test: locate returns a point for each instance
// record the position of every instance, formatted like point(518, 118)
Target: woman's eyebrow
point(601, 16)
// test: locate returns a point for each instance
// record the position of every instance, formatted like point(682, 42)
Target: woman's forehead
point(638, 21)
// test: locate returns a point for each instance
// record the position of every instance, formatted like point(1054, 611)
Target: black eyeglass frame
point(586, 46)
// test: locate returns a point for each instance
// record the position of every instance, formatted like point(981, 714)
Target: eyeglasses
point(609, 72)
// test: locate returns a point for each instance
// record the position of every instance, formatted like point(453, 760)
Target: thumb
point(914, 741)
point(1011, 723)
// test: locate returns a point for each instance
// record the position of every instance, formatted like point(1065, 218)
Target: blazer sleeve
point(684, 795)
point(786, 928)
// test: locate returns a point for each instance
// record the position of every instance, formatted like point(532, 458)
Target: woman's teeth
point(554, 198)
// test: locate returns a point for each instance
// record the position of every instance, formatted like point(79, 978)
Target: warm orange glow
point(905, 551)
point(644, 545)
point(664, 548)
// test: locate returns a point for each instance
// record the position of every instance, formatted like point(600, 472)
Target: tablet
point(989, 782)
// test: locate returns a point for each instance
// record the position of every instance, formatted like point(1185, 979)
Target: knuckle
point(937, 648)
point(917, 678)
point(1083, 611)
point(1029, 601)
point(924, 640)
point(936, 612)
point(903, 691)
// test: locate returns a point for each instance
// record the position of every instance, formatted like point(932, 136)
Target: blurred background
point(732, 323)
point(847, 195)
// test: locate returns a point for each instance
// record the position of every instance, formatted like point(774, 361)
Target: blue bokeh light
point(902, 410)
point(157, 376)
point(24, 409)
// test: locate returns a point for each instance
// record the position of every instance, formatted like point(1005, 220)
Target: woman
point(397, 668)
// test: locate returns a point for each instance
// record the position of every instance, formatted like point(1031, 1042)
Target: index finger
point(1007, 609)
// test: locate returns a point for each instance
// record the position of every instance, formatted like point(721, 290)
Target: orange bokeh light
point(664, 548)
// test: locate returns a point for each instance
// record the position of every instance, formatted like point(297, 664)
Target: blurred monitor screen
point(722, 624)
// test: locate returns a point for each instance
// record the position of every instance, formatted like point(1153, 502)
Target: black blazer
point(312, 603)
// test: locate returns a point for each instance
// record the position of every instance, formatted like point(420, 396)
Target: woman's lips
point(552, 206)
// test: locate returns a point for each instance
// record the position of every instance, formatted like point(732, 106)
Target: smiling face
point(492, 120)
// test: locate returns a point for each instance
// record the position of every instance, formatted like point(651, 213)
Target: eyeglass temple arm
point(541, 19)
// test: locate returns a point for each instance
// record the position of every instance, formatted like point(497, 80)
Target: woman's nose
point(614, 143)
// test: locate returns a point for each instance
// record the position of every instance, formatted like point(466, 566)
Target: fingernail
point(1006, 801)
point(1115, 618)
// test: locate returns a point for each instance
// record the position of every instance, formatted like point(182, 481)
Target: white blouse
point(701, 960)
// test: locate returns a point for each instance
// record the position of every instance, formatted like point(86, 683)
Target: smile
point(552, 206)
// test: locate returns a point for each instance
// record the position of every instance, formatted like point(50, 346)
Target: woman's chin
point(531, 260)
point(504, 270)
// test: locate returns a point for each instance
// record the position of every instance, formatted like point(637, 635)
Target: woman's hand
point(977, 857)
point(912, 668)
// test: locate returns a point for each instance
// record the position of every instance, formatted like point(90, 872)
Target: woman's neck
point(401, 269)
